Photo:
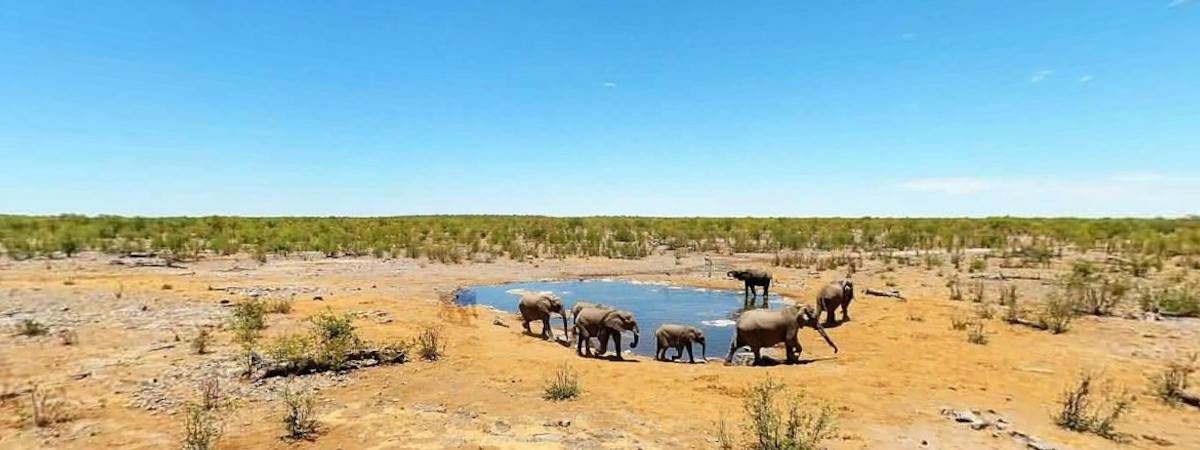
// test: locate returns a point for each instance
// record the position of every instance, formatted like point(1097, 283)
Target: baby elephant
point(538, 307)
point(677, 336)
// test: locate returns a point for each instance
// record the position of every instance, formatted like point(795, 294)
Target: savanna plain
point(228, 333)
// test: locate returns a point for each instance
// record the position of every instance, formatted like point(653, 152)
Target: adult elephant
point(752, 278)
point(538, 307)
point(679, 337)
point(837, 294)
point(581, 305)
point(603, 323)
point(760, 328)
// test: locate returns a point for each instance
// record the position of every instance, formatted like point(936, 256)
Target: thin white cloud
point(609, 84)
point(1040, 75)
point(1175, 3)
point(1086, 79)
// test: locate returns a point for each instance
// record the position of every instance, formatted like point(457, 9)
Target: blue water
point(652, 305)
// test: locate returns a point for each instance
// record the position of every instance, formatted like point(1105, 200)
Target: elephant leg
point(525, 323)
point(678, 352)
point(690, 358)
point(581, 338)
point(846, 311)
point(602, 337)
point(733, 346)
point(616, 338)
point(757, 355)
point(829, 315)
point(546, 333)
point(766, 293)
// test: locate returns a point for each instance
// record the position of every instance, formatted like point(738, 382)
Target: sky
point(813, 108)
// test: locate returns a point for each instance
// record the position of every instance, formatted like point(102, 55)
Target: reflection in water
point(713, 311)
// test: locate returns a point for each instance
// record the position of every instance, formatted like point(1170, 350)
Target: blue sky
point(848, 108)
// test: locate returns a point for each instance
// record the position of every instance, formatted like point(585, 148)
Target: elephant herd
point(754, 328)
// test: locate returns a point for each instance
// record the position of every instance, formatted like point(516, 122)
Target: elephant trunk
point(703, 352)
point(821, 329)
point(635, 337)
point(566, 334)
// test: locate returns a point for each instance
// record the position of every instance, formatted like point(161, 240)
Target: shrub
point(1181, 300)
point(1057, 313)
point(247, 321)
point(293, 349)
point(977, 292)
point(201, 341)
point(984, 312)
point(30, 328)
point(959, 322)
point(68, 337)
point(334, 336)
point(975, 333)
point(201, 430)
point(977, 265)
point(1078, 411)
point(563, 386)
point(430, 345)
point(46, 408)
point(955, 289)
point(299, 419)
point(209, 390)
point(1173, 381)
point(280, 306)
point(780, 420)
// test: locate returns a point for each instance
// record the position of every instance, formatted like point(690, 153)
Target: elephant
point(834, 295)
point(581, 305)
point(539, 306)
point(678, 336)
point(752, 279)
point(603, 323)
point(760, 328)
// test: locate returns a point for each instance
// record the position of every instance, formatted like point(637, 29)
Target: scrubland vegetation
point(453, 239)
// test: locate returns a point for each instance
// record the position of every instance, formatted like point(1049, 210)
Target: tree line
point(458, 238)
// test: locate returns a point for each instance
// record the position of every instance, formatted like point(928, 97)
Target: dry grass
point(68, 337)
point(46, 407)
point(201, 428)
point(31, 328)
point(1174, 380)
point(299, 419)
point(1087, 407)
point(430, 344)
point(564, 385)
point(201, 341)
point(780, 419)
point(976, 334)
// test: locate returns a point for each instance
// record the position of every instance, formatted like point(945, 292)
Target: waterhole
point(652, 304)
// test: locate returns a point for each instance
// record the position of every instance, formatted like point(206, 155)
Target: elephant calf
point(539, 306)
point(678, 336)
point(603, 323)
point(834, 295)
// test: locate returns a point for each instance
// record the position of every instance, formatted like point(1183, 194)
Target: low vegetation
point(300, 415)
point(430, 344)
point(247, 321)
point(452, 239)
point(1087, 406)
point(31, 328)
point(46, 407)
point(564, 385)
point(976, 333)
point(1171, 385)
point(201, 428)
point(201, 341)
point(779, 418)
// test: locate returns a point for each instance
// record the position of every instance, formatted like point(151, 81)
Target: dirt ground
point(127, 378)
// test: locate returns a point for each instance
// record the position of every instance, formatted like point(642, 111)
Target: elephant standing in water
point(834, 295)
point(603, 323)
point(760, 328)
point(678, 336)
point(753, 278)
point(539, 306)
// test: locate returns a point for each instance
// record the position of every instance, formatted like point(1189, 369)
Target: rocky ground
point(904, 378)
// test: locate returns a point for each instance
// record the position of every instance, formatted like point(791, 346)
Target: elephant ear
point(848, 288)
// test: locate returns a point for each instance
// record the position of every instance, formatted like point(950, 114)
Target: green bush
point(247, 321)
point(334, 336)
point(31, 327)
point(782, 420)
point(1079, 410)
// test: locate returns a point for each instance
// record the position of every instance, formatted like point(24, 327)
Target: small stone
point(564, 422)
point(546, 437)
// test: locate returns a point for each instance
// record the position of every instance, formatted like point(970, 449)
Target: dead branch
point(891, 294)
point(357, 359)
point(1190, 398)
point(1003, 277)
